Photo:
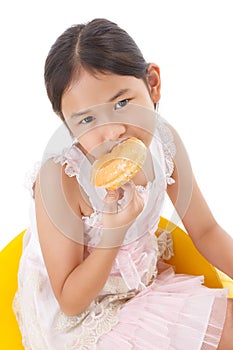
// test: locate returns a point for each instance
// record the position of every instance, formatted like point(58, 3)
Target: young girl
point(92, 274)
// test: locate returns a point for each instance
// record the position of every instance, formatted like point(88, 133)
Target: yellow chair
point(10, 336)
point(186, 260)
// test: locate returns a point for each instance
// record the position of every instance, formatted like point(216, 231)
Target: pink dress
point(143, 305)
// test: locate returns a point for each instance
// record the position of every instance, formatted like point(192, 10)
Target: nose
point(113, 131)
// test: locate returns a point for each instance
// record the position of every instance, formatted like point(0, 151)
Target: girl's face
point(104, 109)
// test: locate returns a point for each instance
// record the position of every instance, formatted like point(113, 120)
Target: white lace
point(28, 321)
point(30, 178)
point(100, 321)
point(165, 244)
point(169, 148)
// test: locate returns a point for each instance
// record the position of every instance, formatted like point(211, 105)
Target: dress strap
point(168, 147)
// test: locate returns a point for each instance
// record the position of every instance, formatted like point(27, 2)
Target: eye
point(87, 120)
point(121, 104)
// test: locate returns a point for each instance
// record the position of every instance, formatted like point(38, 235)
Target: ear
point(154, 82)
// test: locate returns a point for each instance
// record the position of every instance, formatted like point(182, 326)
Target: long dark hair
point(99, 45)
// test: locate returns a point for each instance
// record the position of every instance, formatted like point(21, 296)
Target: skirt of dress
point(176, 312)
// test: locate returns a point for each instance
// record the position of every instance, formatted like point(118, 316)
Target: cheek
point(145, 129)
point(146, 138)
point(89, 140)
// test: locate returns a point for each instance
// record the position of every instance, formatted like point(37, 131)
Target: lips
point(118, 142)
point(107, 147)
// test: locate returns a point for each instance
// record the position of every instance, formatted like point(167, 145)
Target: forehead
point(90, 90)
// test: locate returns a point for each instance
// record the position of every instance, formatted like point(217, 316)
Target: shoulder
point(54, 185)
point(61, 169)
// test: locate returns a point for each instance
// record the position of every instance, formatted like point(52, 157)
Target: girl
point(91, 274)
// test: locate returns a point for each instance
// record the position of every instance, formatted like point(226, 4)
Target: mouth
point(106, 148)
point(116, 143)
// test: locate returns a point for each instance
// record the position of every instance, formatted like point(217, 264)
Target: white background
point(191, 41)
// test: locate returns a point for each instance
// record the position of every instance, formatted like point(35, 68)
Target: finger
point(131, 197)
point(127, 194)
point(111, 202)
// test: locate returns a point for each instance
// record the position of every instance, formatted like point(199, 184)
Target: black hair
point(98, 46)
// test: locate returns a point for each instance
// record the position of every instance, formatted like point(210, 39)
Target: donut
point(114, 169)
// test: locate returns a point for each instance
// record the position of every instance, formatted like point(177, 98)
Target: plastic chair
point(186, 260)
point(10, 336)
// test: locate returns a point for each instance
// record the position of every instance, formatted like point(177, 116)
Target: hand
point(117, 216)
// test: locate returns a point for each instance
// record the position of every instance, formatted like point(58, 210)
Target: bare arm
point(209, 238)
point(75, 281)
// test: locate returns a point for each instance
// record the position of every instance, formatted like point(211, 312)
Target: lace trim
point(30, 178)
point(67, 323)
point(152, 270)
point(142, 189)
point(17, 311)
point(72, 158)
point(115, 285)
point(165, 244)
point(96, 321)
point(33, 337)
point(93, 329)
point(169, 148)
point(29, 329)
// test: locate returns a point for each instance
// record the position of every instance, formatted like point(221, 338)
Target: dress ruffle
point(173, 313)
point(169, 148)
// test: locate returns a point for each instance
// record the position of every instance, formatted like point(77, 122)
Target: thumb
point(111, 202)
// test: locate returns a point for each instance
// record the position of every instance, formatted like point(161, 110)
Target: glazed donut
point(116, 168)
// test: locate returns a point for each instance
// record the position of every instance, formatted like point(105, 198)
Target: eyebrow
point(118, 94)
point(114, 97)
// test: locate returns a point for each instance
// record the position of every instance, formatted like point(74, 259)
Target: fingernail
point(112, 192)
